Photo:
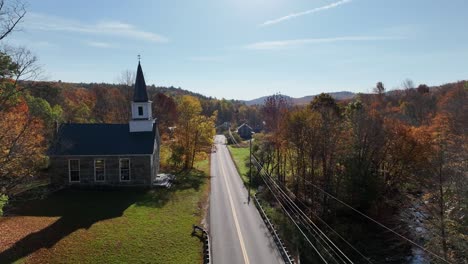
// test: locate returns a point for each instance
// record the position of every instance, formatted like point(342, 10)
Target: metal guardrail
point(279, 243)
point(206, 243)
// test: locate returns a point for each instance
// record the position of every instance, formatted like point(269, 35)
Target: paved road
point(238, 234)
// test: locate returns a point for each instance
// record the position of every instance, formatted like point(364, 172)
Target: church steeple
point(140, 94)
point(142, 118)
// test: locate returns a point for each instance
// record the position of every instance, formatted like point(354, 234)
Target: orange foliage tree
point(79, 104)
point(22, 146)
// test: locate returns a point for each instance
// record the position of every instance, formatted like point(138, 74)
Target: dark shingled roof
point(101, 139)
point(246, 125)
point(140, 94)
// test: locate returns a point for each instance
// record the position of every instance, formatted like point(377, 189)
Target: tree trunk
point(442, 211)
point(194, 152)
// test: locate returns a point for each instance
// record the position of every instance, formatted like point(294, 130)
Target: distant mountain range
point(303, 100)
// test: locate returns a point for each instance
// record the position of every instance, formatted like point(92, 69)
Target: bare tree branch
point(127, 78)
point(28, 68)
point(10, 16)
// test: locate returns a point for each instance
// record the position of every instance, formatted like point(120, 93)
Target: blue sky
point(243, 49)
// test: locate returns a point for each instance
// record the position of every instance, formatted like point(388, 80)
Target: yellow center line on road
point(234, 214)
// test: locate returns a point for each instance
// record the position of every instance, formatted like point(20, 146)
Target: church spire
point(142, 115)
point(140, 94)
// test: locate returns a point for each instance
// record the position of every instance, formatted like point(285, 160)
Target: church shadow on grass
point(77, 209)
point(80, 208)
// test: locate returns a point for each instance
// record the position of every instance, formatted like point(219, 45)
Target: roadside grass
point(240, 155)
point(109, 226)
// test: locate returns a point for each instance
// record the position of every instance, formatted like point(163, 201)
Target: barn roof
point(101, 139)
point(246, 125)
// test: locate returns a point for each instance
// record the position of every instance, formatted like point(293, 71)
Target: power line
point(284, 209)
point(378, 223)
point(335, 232)
point(298, 227)
point(232, 138)
point(304, 221)
point(317, 234)
point(308, 222)
point(349, 244)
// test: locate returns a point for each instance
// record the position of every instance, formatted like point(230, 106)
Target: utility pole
point(250, 165)
point(250, 168)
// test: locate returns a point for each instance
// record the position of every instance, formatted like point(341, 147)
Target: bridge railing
point(206, 243)
point(279, 243)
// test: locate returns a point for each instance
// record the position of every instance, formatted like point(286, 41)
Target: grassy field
point(109, 226)
point(240, 157)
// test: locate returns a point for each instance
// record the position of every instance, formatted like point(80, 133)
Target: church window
point(74, 170)
point(99, 170)
point(124, 165)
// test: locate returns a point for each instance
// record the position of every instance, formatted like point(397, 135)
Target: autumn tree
point(22, 147)
point(79, 104)
point(366, 138)
point(302, 131)
point(49, 91)
point(14, 62)
point(446, 175)
point(111, 105)
point(422, 89)
point(274, 112)
point(41, 109)
point(165, 110)
point(329, 134)
point(379, 88)
point(194, 132)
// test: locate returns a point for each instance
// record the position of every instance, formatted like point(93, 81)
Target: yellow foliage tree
point(194, 133)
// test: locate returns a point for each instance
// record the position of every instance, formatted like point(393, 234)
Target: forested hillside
point(398, 157)
point(302, 100)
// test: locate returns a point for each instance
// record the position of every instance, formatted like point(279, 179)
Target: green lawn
point(109, 226)
point(240, 157)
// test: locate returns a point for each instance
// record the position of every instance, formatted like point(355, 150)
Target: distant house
point(245, 131)
point(109, 154)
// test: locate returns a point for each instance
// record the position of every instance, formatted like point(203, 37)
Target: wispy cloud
point(30, 43)
point(43, 22)
point(284, 44)
point(206, 58)
point(303, 13)
point(98, 44)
